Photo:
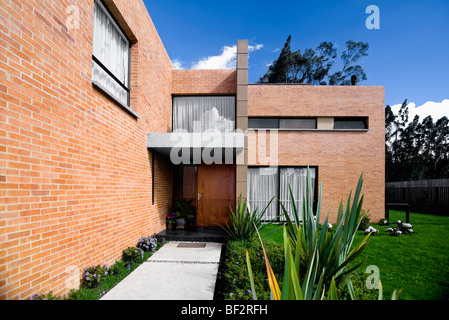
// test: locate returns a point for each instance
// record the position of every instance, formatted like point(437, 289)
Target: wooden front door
point(216, 193)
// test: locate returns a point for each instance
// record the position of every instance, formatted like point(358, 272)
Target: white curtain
point(198, 114)
point(262, 185)
point(111, 48)
point(296, 178)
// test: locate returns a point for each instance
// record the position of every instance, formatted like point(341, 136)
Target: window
point(198, 114)
point(265, 183)
point(263, 123)
point(283, 123)
point(110, 56)
point(298, 123)
point(351, 123)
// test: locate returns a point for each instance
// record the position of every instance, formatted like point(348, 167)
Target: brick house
point(91, 111)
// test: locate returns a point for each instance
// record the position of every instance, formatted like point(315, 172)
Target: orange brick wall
point(75, 172)
point(341, 156)
point(204, 82)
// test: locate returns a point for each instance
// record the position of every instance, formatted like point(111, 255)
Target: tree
point(314, 65)
point(279, 69)
point(415, 150)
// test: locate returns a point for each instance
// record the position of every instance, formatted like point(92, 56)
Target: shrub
point(237, 285)
point(360, 289)
point(147, 244)
point(364, 223)
point(401, 228)
point(48, 296)
point(92, 275)
point(245, 221)
point(132, 254)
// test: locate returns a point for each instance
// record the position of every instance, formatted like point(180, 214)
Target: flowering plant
point(171, 218)
point(401, 228)
point(132, 254)
point(93, 275)
point(371, 230)
point(48, 296)
point(147, 244)
point(384, 222)
point(190, 217)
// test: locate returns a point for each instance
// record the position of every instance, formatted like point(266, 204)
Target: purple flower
point(87, 278)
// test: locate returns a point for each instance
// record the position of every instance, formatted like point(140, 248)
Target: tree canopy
point(415, 150)
point(313, 66)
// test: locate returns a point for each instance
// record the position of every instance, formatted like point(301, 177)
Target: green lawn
point(417, 263)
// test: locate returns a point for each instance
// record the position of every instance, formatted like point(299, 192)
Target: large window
point(110, 57)
point(198, 114)
point(265, 183)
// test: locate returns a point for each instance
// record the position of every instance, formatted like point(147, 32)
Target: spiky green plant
point(243, 219)
point(334, 249)
point(293, 287)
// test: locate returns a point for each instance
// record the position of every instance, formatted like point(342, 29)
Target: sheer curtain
point(296, 178)
point(111, 49)
point(262, 186)
point(198, 114)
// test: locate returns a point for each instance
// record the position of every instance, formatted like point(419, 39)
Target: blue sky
point(409, 54)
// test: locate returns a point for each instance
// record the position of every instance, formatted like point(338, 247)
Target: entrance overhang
point(202, 147)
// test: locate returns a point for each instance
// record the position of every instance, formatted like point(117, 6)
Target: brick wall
point(75, 172)
point(341, 156)
point(204, 82)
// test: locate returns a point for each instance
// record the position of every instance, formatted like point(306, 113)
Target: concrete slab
point(172, 273)
point(171, 252)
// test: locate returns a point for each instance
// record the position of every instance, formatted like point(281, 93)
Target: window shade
point(198, 114)
point(262, 184)
point(111, 50)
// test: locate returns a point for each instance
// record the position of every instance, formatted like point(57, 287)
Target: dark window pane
point(263, 123)
point(351, 123)
point(306, 123)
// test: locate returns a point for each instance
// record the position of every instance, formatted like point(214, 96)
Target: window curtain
point(296, 178)
point(262, 186)
point(198, 114)
point(111, 48)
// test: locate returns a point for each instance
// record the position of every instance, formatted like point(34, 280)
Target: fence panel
point(424, 196)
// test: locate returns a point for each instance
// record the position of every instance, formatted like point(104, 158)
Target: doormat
point(192, 245)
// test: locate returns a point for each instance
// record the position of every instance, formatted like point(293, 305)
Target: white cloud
point(226, 60)
point(177, 64)
point(434, 109)
point(255, 48)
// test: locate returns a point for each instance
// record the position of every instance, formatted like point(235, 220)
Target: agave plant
point(331, 251)
point(293, 287)
point(243, 219)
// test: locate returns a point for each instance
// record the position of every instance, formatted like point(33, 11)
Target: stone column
point(242, 117)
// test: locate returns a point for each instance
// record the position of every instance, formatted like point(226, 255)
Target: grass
point(107, 283)
point(117, 272)
point(417, 263)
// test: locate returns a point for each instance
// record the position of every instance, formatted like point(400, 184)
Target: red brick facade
point(204, 82)
point(341, 156)
point(75, 173)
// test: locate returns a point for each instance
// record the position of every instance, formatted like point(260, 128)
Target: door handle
point(199, 196)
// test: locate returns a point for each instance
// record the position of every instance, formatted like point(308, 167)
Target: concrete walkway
point(177, 271)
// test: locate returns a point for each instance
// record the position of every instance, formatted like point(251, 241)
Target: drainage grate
point(192, 245)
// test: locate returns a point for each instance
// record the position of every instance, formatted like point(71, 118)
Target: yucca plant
point(293, 287)
point(333, 251)
point(244, 219)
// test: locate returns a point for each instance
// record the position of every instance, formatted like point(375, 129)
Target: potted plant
point(181, 209)
point(171, 220)
point(190, 219)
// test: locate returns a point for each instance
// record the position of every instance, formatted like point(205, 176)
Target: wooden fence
point(424, 196)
